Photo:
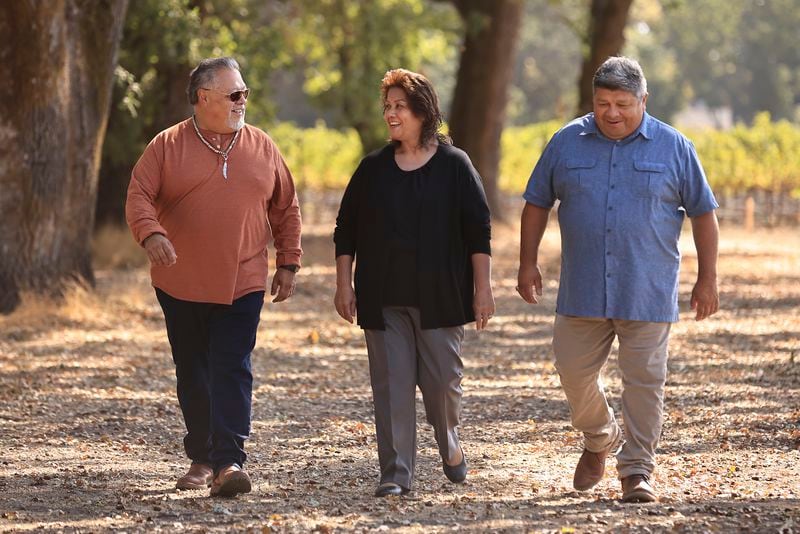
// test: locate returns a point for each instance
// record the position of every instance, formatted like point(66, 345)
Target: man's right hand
point(529, 279)
point(160, 250)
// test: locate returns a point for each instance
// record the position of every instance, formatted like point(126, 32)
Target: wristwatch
point(293, 267)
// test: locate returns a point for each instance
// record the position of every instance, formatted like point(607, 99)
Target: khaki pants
point(581, 347)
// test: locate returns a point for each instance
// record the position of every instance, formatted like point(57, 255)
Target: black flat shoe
point(388, 489)
point(456, 473)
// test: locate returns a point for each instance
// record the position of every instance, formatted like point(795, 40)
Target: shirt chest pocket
point(652, 180)
point(579, 175)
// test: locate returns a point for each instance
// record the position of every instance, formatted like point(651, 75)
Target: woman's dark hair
point(422, 100)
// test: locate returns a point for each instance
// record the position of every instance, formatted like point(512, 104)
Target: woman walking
point(414, 219)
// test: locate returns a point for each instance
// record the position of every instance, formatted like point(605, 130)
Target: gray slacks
point(400, 358)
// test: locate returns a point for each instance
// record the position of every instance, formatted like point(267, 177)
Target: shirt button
point(610, 208)
point(608, 230)
point(608, 254)
point(613, 186)
point(608, 275)
point(613, 164)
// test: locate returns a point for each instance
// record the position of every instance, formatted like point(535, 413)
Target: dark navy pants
point(211, 346)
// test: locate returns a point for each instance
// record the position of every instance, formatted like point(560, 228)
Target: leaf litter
point(90, 429)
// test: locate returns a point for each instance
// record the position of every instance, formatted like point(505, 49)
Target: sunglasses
point(234, 96)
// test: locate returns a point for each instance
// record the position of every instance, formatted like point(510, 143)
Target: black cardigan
point(454, 224)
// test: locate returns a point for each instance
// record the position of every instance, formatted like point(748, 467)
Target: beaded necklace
point(223, 153)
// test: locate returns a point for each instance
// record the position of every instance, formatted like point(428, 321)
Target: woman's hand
point(345, 302)
point(483, 306)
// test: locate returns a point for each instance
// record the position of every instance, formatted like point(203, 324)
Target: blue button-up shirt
point(622, 204)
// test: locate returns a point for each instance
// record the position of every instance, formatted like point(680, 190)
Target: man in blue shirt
point(624, 181)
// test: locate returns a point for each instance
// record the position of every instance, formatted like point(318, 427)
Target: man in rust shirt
point(204, 199)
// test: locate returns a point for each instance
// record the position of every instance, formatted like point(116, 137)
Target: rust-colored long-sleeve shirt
point(219, 228)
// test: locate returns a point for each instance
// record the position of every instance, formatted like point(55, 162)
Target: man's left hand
point(282, 285)
point(705, 298)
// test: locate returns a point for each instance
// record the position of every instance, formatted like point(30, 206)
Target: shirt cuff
point(143, 234)
point(284, 258)
point(530, 198)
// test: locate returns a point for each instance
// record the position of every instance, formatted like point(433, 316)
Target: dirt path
point(90, 431)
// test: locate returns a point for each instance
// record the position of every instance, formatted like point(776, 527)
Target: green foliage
point(645, 40)
point(156, 34)
point(741, 54)
point(164, 39)
point(334, 52)
point(548, 63)
point(764, 156)
point(319, 157)
point(345, 47)
point(325, 158)
point(520, 148)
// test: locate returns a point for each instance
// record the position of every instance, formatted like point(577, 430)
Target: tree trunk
point(57, 61)
point(359, 112)
point(605, 38)
point(484, 75)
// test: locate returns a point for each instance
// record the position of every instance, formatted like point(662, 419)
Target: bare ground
point(90, 430)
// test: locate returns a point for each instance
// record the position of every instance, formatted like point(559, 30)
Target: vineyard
point(754, 170)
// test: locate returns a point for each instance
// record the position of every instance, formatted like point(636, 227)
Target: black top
point(401, 285)
point(453, 223)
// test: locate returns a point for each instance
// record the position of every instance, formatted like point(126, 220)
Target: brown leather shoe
point(592, 465)
point(230, 481)
point(199, 476)
point(637, 488)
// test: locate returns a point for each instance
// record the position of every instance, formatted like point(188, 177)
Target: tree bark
point(57, 59)
point(605, 38)
point(478, 111)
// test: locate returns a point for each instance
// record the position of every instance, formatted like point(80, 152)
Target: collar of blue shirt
point(645, 128)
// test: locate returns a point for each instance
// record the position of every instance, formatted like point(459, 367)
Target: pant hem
point(630, 471)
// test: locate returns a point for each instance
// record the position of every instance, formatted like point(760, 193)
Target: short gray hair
point(203, 74)
point(621, 73)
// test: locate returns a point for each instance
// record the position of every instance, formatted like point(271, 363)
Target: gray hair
point(204, 73)
point(621, 73)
